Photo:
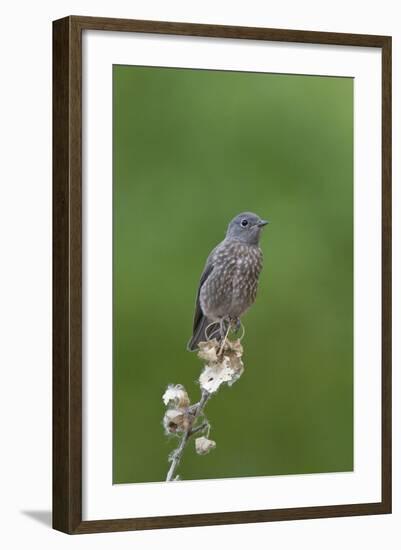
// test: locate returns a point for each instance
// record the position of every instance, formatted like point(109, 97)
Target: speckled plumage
point(231, 287)
point(229, 282)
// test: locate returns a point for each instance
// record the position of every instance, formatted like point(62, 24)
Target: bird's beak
point(262, 223)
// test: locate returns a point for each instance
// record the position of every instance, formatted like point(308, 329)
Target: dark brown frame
point(67, 276)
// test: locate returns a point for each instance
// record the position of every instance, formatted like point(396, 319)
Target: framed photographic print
point(222, 274)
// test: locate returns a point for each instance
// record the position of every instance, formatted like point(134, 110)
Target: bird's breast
point(231, 287)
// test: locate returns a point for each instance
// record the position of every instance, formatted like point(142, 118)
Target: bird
point(229, 282)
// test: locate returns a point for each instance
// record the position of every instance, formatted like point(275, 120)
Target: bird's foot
point(225, 326)
point(236, 325)
point(212, 330)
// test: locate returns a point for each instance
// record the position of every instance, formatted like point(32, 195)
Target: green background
point(193, 148)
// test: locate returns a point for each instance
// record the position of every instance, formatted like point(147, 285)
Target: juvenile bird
point(228, 284)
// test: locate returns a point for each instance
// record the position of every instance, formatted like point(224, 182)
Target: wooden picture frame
point(67, 273)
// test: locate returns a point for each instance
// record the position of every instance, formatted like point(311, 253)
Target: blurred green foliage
point(192, 148)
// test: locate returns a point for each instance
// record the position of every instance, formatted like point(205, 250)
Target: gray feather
point(200, 322)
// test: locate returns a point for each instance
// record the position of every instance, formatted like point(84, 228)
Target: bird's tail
point(199, 334)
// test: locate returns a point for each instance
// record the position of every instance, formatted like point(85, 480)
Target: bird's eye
point(244, 223)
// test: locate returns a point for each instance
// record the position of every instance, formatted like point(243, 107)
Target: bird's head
point(246, 227)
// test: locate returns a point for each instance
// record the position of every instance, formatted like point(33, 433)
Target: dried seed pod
point(203, 445)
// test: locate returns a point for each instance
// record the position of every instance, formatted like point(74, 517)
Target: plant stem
point(177, 454)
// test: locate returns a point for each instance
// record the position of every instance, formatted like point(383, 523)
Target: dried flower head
point(208, 350)
point(175, 420)
point(214, 375)
point(203, 445)
point(227, 367)
point(233, 347)
point(176, 396)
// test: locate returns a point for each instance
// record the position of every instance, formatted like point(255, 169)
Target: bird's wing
point(206, 272)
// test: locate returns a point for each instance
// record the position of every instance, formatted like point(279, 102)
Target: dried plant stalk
point(222, 365)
